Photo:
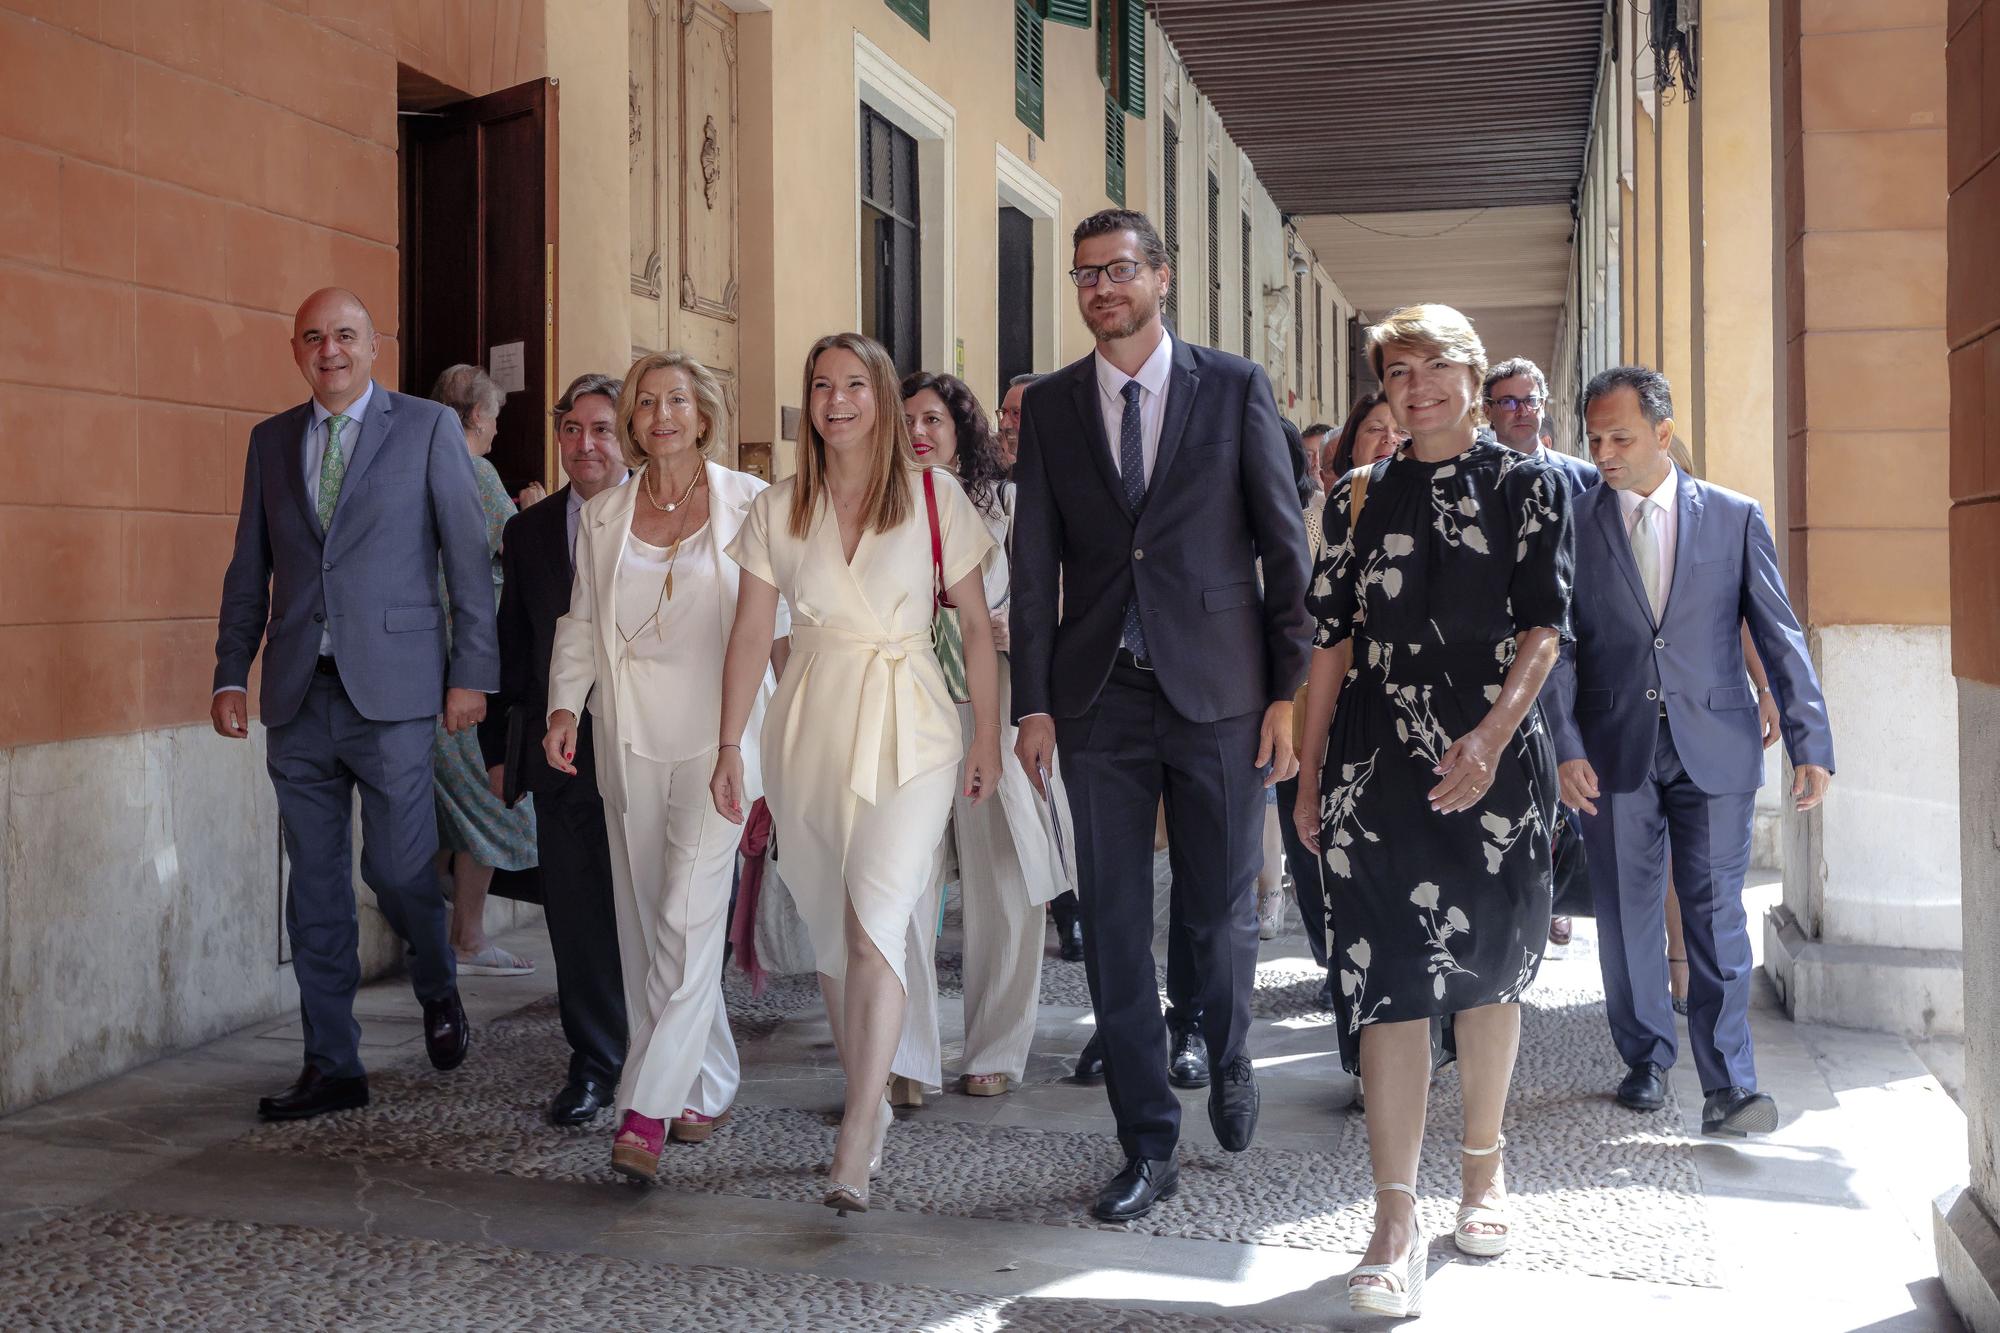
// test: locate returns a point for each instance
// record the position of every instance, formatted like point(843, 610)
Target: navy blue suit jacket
point(1613, 679)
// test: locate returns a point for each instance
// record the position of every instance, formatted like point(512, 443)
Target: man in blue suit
point(1657, 731)
point(350, 502)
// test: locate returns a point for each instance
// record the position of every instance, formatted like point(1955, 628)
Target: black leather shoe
point(1644, 1088)
point(1069, 941)
point(1090, 1064)
point(580, 1099)
point(447, 1034)
point(1133, 1191)
point(315, 1094)
point(1187, 1067)
point(1232, 1105)
point(1736, 1113)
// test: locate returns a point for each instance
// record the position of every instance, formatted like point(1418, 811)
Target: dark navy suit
point(1666, 716)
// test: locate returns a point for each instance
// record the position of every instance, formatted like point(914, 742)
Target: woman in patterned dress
point(1439, 613)
point(477, 831)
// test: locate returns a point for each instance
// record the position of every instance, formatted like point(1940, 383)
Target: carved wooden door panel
point(684, 195)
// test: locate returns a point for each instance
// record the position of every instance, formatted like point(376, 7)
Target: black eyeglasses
point(1123, 270)
point(1513, 404)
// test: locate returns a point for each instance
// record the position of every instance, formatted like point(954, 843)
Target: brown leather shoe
point(314, 1094)
point(447, 1034)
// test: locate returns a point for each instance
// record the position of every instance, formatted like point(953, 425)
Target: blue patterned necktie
point(1132, 470)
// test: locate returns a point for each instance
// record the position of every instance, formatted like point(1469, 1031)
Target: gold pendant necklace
point(671, 505)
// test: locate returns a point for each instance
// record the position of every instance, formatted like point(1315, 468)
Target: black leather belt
point(1132, 662)
point(326, 667)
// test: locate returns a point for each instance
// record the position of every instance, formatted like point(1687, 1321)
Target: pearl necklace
point(671, 505)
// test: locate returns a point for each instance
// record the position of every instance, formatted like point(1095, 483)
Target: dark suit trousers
point(1709, 836)
point(583, 921)
point(1118, 761)
point(316, 760)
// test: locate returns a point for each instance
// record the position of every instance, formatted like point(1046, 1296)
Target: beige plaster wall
point(589, 56)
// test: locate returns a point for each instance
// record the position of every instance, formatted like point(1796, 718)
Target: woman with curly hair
point(1008, 866)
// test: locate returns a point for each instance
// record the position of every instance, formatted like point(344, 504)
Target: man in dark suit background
point(351, 501)
point(1657, 731)
point(574, 851)
point(1153, 476)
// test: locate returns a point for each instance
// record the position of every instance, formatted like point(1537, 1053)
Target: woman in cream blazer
point(642, 648)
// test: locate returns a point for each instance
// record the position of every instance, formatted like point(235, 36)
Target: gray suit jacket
point(371, 580)
point(1610, 683)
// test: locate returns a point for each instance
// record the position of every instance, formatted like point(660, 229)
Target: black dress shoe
point(1069, 941)
point(1232, 1105)
point(1090, 1064)
point(1644, 1088)
point(315, 1094)
point(580, 1099)
point(1735, 1113)
point(447, 1035)
point(1133, 1192)
point(1187, 1067)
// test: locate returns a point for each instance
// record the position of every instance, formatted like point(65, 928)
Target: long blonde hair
point(888, 502)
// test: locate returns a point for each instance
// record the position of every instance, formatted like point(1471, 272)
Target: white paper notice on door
point(507, 363)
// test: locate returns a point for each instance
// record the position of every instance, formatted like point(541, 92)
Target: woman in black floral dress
point(1439, 613)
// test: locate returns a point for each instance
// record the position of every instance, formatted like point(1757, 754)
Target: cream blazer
point(586, 641)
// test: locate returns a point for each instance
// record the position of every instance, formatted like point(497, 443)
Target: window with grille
point(916, 12)
point(1319, 345)
point(1214, 260)
point(1170, 207)
point(1028, 69)
point(1298, 333)
point(1114, 152)
point(891, 308)
point(1247, 320)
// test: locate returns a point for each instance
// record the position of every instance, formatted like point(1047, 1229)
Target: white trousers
point(671, 860)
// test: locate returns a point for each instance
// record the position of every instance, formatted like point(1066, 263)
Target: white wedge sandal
point(1482, 1244)
point(1398, 1289)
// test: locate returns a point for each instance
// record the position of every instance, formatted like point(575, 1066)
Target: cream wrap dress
point(861, 744)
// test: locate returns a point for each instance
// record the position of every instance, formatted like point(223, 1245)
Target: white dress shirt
point(1666, 525)
point(1152, 379)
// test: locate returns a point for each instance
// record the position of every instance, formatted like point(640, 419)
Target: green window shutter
point(1114, 152)
point(1076, 13)
point(1107, 24)
point(1028, 71)
point(916, 12)
point(1129, 76)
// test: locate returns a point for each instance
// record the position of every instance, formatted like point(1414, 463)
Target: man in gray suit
point(1657, 731)
point(350, 500)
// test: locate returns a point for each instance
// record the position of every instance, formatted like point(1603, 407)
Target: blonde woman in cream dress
point(642, 647)
point(861, 744)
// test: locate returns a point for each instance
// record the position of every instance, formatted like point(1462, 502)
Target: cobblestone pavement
point(155, 1201)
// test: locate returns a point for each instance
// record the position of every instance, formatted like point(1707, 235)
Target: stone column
point(1968, 1240)
point(1869, 931)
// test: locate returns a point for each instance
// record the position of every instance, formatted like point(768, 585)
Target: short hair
point(1107, 220)
point(1018, 380)
point(464, 388)
point(1317, 428)
point(1512, 367)
point(1656, 396)
point(978, 465)
point(583, 386)
point(1436, 328)
point(708, 402)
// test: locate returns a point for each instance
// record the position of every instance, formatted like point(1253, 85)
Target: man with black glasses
point(1516, 397)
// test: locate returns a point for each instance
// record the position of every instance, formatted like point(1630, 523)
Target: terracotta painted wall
point(1864, 162)
point(1972, 326)
point(177, 176)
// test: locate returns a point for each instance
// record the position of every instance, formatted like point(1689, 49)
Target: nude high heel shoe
point(1398, 1288)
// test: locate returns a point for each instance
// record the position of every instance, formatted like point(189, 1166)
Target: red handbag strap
point(938, 599)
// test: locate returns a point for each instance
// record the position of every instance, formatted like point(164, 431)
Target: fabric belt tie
point(1432, 663)
point(890, 697)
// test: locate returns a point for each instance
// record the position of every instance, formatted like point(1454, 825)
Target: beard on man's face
point(1123, 321)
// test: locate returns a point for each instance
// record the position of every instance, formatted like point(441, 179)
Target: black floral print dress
point(1437, 913)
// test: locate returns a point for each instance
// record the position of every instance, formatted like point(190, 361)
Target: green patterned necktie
point(332, 471)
